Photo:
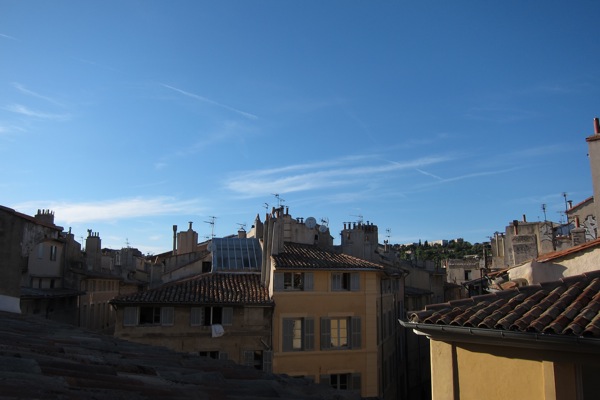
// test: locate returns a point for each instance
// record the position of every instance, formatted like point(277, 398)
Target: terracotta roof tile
point(43, 359)
point(303, 256)
point(570, 306)
point(212, 288)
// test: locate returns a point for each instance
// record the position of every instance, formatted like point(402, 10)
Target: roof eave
point(497, 337)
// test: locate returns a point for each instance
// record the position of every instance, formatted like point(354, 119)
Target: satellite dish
point(322, 228)
point(310, 222)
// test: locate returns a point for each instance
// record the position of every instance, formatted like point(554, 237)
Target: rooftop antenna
point(266, 206)
point(242, 226)
point(388, 233)
point(544, 210)
point(279, 199)
point(360, 218)
point(127, 242)
point(212, 226)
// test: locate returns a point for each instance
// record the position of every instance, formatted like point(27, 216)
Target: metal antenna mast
point(544, 210)
point(279, 199)
point(212, 226)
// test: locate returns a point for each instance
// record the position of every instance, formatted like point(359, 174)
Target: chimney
point(570, 204)
point(516, 227)
point(242, 234)
point(174, 239)
point(596, 126)
point(524, 218)
point(190, 228)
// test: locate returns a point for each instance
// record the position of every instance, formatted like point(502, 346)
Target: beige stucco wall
point(470, 371)
point(250, 330)
point(536, 272)
point(322, 302)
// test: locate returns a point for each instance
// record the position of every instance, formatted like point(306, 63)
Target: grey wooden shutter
point(355, 332)
point(227, 316)
point(249, 358)
point(309, 334)
point(197, 316)
point(336, 281)
point(268, 361)
point(308, 281)
point(355, 382)
point(167, 316)
point(325, 333)
point(278, 281)
point(288, 334)
point(130, 316)
point(355, 281)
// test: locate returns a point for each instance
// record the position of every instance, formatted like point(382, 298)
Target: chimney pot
point(524, 218)
point(596, 126)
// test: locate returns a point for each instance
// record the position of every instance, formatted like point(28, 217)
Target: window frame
point(345, 281)
point(291, 333)
point(280, 279)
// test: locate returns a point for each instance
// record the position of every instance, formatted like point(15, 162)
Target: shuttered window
point(130, 316)
point(197, 316)
point(298, 334)
point(341, 333)
point(167, 316)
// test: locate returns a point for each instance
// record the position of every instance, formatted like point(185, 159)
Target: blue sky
point(432, 119)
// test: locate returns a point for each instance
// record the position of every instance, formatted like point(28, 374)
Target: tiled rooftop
point(42, 359)
point(572, 250)
point(209, 288)
point(303, 256)
point(570, 307)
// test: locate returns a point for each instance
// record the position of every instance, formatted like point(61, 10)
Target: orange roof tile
point(204, 289)
point(303, 256)
point(570, 306)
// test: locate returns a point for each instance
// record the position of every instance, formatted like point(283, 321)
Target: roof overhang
point(497, 337)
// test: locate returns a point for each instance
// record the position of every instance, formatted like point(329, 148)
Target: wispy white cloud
point(429, 174)
point(7, 36)
point(319, 175)
point(470, 176)
point(26, 91)
point(23, 110)
point(114, 210)
point(209, 101)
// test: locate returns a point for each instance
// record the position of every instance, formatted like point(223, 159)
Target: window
point(133, 316)
point(298, 334)
point(340, 333)
point(467, 275)
point(40, 251)
point(52, 253)
point(207, 316)
point(342, 381)
point(345, 281)
point(339, 381)
point(284, 281)
point(149, 315)
point(206, 266)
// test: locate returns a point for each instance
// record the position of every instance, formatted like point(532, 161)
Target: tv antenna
point(212, 226)
point(266, 206)
point(279, 199)
point(388, 233)
point(325, 221)
point(242, 226)
point(544, 210)
point(360, 218)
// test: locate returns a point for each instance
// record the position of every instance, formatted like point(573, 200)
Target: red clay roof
point(43, 359)
point(204, 289)
point(570, 306)
point(572, 250)
point(304, 256)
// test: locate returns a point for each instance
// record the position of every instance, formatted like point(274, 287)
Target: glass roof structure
point(236, 255)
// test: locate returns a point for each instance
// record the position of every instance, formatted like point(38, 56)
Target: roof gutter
point(496, 337)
